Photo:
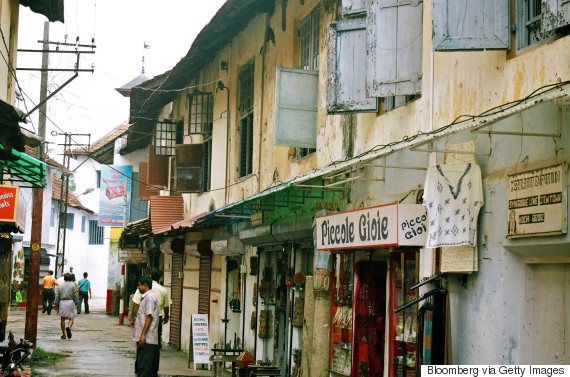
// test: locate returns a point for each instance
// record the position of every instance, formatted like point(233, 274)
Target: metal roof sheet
point(165, 211)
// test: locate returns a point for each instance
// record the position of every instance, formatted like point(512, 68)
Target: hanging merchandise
point(298, 312)
point(299, 280)
point(289, 278)
point(453, 196)
point(264, 323)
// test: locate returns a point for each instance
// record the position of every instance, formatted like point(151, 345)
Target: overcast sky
point(90, 104)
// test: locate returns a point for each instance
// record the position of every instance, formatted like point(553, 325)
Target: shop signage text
point(12, 207)
point(387, 225)
point(132, 256)
point(537, 202)
point(200, 339)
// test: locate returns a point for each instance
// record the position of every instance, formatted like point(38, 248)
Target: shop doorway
point(176, 296)
point(546, 314)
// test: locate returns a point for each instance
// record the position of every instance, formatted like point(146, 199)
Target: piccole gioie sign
point(386, 225)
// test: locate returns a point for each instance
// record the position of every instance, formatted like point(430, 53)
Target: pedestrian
point(66, 303)
point(48, 293)
point(164, 302)
point(84, 293)
point(146, 331)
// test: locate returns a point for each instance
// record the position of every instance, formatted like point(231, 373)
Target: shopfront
point(374, 266)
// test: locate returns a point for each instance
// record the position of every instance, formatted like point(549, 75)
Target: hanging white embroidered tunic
point(453, 196)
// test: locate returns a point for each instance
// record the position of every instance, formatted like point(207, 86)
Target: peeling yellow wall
point(9, 16)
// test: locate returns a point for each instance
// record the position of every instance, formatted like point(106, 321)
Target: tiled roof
point(165, 211)
point(72, 199)
point(180, 225)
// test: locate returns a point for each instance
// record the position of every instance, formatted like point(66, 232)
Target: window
point(537, 20)
point(139, 208)
point(52, 216)
point(96, 233)
point(201, 122)
point(245, 111)
point(166, 136)
point(201, 113)
point(309, 55)
point(68, 220)
point(82, 224)
point(393, 102)
point(98, 183)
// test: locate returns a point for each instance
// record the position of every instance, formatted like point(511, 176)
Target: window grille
point(165, 138)
point(200, 113)
point(309, 55)
point(96, 233)
point(245, 108)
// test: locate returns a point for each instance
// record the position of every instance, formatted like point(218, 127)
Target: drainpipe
point(256, 305)
point(264, 49)
point(292, 309)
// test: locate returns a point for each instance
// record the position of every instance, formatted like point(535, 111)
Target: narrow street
point(99, 346)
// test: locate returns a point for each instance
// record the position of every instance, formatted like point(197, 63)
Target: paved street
point(99, 346)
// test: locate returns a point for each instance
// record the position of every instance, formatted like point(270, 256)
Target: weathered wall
point(9, 16)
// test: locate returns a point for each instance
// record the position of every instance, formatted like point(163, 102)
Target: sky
point(90, 104)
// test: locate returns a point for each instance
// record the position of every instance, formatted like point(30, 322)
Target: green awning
point(23, 168)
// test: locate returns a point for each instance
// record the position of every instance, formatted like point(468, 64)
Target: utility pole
point(31, 327)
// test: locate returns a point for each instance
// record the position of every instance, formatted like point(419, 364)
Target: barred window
point(96, 233)
point(201, 113)
point(166, 136)
point(68, 220)
point(246, 77)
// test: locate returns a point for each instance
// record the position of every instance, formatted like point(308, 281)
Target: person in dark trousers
point(66, 303)
point(84, 293)
point(146, 331)
point(164, 303)
point(48, 293)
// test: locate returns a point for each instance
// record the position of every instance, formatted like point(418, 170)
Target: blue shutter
point(555, 14)
point(470, 24)
point(346, 67)
point(394, 45)
point(296, 95)
point(353, 7)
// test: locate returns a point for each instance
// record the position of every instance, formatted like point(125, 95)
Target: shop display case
point(342, 285)
point(403, 324)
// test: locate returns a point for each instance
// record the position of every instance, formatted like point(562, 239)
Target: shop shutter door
point(470, 25)
point(189, 170)
point(555, 14)
point(346, 66)
point(394, 44)
point(204, 286)
point(176, 295)
point(296, 96)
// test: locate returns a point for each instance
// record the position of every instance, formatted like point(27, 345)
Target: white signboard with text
point(537, 202)
point(386, 225)
point(200, 339)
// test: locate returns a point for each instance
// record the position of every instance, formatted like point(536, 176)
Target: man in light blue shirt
point(84, 293)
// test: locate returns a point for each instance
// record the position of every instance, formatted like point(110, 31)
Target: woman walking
point(66, 302)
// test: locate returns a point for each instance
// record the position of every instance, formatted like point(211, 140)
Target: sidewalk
point(99, 346)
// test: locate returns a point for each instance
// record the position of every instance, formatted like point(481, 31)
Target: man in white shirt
point(164, 303)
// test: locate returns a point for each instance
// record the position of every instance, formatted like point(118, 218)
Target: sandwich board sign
point(200, 340)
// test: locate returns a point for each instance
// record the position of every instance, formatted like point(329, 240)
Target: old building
point(303, 138)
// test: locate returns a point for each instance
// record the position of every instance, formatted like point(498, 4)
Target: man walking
point(146, 331)
point(164, 302)
point(84, 290)
point(48, 293)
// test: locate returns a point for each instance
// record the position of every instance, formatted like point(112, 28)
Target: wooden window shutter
point(394, 44)
point(157, 169)
point(346, 64)
point(470, 25)
point(189, 169)
point(296, 95)
point(145, 191)
point(555, 14)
